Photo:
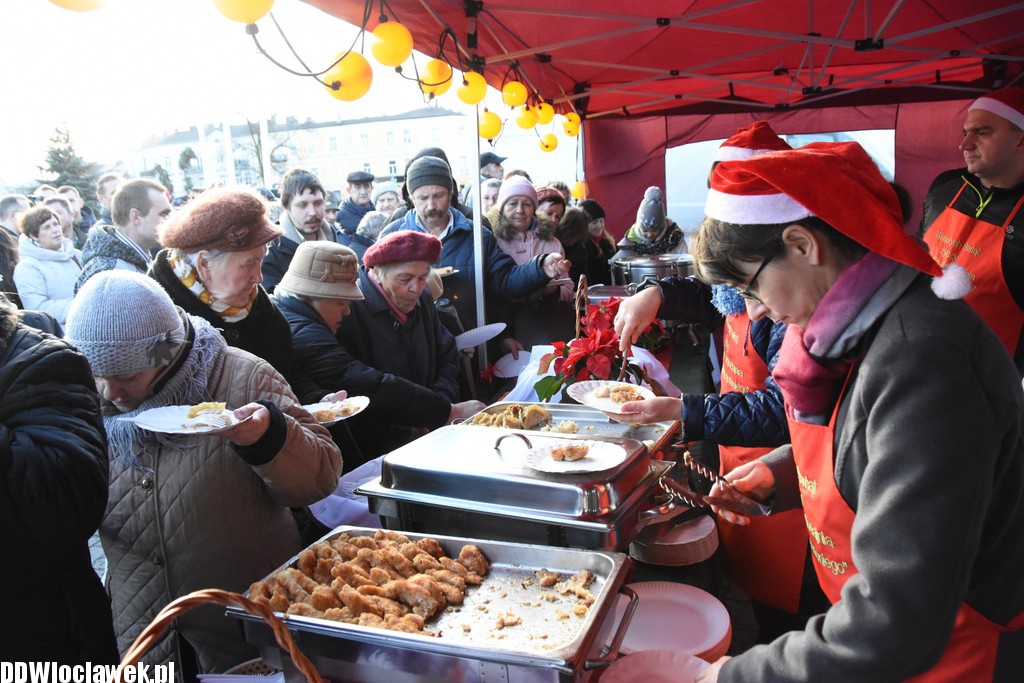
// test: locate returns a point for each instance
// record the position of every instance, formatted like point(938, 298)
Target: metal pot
point(636, 269)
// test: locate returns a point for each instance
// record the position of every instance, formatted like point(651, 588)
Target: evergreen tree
point(68, 168)
point(160, 174)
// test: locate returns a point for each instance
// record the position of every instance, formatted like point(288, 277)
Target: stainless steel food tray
point(518, 653)
point(593, 422)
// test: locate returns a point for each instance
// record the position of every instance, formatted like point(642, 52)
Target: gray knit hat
point(384, 188)
point(651, 214)
point(427, 171)
point(124, 323)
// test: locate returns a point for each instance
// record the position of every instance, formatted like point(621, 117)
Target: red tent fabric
point(648, 75)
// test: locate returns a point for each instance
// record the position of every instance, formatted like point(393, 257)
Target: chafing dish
point(452, 481)
point(543, 647)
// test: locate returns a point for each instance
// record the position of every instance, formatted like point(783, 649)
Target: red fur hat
point(402, 247)
point(219, 219)
point(837, 182)
point(1007, 103)
point(757, 138)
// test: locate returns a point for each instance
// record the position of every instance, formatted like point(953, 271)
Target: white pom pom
point(954, 283)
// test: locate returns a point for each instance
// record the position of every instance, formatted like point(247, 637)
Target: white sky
point(136, 68)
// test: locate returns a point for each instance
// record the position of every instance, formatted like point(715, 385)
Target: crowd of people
point(892, 549)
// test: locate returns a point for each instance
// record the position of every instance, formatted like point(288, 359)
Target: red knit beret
point(548, 193)
point(402, 247)
point(219, 219)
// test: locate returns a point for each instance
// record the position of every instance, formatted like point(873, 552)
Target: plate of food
point(575, 455)
point(327, 413)
point(446, 271)
point(607, 395)
point(478, 335)
point(209, 417)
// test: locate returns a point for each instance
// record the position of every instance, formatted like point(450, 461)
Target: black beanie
point(427, 171)
point(592, 208)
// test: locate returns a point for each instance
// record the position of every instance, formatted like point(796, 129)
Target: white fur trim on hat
point(999, 109)
point(766, 209)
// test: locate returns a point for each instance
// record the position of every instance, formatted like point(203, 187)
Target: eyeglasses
point(747, 292)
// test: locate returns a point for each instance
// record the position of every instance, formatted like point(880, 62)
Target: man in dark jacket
point(429, 182)
point(303, 199)
point(11, 206)
point(53, 460)
point(357, 204)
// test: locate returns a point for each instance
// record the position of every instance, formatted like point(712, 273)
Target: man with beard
point(304, 200)
point(357, 204)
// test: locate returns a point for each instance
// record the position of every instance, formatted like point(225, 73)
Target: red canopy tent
point(647, 76)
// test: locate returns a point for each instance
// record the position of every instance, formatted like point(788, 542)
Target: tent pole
point(478, 243)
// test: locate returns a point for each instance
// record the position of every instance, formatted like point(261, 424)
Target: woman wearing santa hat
point(905, 418)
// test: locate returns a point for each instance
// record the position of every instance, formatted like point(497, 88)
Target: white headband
point(999, 109)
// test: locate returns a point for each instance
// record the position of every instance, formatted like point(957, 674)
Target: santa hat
point(840, 184)
point(1007, 103)
point(757, 138)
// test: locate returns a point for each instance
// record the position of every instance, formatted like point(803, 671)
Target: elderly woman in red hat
point(389, 344)
point(905, 417)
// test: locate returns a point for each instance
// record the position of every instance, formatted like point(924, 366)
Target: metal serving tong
point(733, 500)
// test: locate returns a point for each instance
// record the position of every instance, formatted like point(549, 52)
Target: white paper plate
point(584, 393)
point(601, 456)
point(507, 366)
point(654, 666)
point(360, 402)
point(448, 270)
point(175, 420)
point(478, 335)
point(674, 616)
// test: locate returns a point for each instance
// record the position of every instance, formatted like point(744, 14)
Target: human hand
point(659, 409)
point(510, 345)
point(460, 411)
point(710, 674)
point(252, 430)
point(556, 266)
point(752, 478)
point(335, 397)
point(635, 314)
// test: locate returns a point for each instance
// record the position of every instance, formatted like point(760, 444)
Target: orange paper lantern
point(579, 189)
point(473, 90)
point(513, 93)
point(436, 77)
point(527, 119)
point(245, 11)
point(548, 142)
point(545, 113)
point(80, 5)
point(353, 76)
point(393, 45)
point(490, 125)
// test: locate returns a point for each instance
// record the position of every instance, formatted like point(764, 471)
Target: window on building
point(407, 136)
point(333, 143)
point(462, 133)
point(392, 168)
point(390, 136)
point(366, 167)
point(364, 140)
point(348, 142)
point(435, 135)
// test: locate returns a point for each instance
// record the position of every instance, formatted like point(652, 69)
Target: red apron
point(970, 653)
point(766, 558)
point(978, 247)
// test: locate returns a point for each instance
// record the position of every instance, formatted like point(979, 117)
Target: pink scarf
point(814, 363)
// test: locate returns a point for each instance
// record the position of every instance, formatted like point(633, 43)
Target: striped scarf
point(188, 276)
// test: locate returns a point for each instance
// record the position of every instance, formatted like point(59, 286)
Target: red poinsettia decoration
point(594, 355)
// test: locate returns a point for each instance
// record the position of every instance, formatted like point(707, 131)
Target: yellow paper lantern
point(245, 11)
point(353, 76)
point(545, 113)
point(436, 77)
point(474, 89)
point(513, 93)
point(573, 118)
point(548, 142)
point(490, 125)
point(527, 119)
point(579, 189)
point(572, 130)
point(393, 45)
point(80, 5)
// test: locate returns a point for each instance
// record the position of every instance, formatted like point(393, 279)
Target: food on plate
point(446, 270)
point(206, 408)
point(336, 410)
point(624, 393)
point(382, 581)
point(571, 452)
point(563, 427)
point(534, 416)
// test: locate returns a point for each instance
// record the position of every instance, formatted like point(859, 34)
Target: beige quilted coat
point(204, 518)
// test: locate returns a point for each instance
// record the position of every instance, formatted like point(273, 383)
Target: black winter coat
point(53, 468)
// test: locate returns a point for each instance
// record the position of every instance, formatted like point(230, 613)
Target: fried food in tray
point(517, 416)
point(384, 581)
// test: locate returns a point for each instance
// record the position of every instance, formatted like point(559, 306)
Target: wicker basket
point(152, 633)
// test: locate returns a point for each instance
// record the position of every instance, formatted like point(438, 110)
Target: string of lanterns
point(350, 76)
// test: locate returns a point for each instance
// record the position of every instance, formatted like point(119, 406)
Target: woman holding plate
point(912, 518)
